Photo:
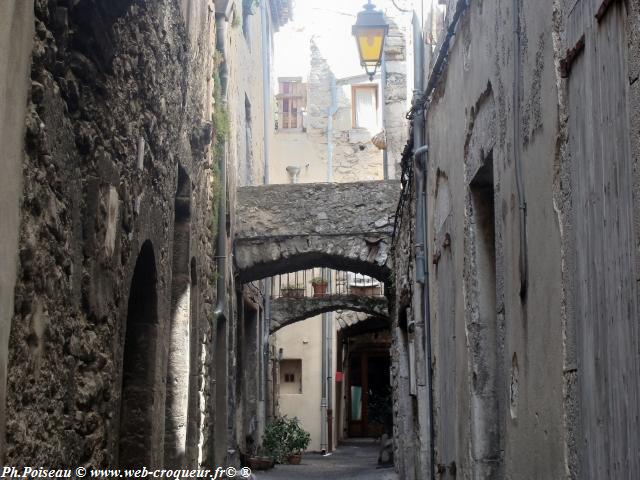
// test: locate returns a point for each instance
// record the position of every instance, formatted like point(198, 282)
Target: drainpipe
point(420, 157)
point(221, 256)
point(219, 312)
point(266, 98)
point(266, 85)
point(325, 403)
point(333, 108)
point(383, 92)
point(329, 330)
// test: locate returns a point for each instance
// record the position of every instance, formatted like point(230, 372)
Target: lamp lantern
point(370, 31)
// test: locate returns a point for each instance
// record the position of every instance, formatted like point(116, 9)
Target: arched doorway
point(139, 391)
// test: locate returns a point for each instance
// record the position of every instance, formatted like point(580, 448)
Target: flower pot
point(294, 459)
point(260, 463)
point(319, 289)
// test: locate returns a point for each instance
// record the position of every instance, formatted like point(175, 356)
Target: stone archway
point(285, 228)
point(286, 311)
point(141, 394)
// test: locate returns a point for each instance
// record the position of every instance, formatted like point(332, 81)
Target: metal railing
point(319, 282)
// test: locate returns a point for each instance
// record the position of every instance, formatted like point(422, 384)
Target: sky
point(329, 22)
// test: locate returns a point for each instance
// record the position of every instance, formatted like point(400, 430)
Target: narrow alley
point(320, 239)
point(353, 460)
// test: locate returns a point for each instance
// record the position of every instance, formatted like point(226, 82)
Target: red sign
point(339, 377)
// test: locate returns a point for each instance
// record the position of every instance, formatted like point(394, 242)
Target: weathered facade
point(531, 248)
point(331, 139)
point(110, 337)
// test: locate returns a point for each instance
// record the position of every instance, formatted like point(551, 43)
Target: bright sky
point(329, 22)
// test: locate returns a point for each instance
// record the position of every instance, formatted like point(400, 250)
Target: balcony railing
point(319, 282)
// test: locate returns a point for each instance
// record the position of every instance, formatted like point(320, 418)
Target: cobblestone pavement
point(354, 460)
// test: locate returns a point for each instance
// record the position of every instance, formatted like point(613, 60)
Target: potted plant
point(261, 461)
point(273, 439)
point(284, 440)
point(297, 441)
point(293, 290)
point(319, 285)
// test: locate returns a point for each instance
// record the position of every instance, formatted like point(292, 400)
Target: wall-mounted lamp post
point(370, 31)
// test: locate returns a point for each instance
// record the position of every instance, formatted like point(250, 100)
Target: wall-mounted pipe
point(221, 254)
point(325, 402)
point(333, 108)
point(420, 157)
point(383, 93)
point(266, 85)
point(266, 121)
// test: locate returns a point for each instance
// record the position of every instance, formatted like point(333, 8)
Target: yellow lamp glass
point(370, 43)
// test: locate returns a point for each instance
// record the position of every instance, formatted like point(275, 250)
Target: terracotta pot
point(319, 289)
point(294, 459)
point(260, 463)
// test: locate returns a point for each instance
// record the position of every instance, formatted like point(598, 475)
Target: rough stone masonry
point(115, 114)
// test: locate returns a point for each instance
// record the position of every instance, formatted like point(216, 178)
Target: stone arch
point(140, 393)
point(343, 226)
point(270, 258)
point(178, 366)
point(286, 311)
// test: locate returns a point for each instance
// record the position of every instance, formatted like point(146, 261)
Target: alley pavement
point(354, 460)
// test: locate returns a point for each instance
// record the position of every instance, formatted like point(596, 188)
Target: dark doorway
point(369, 394)
point(139, 391)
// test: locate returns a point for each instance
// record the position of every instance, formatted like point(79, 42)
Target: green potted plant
point(319, 285)
point(292, 290)
point(297, 441)
point(284, 439)
point(261, 461)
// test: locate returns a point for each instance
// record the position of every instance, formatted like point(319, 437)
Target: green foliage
point(319, 281)
point(236, 22)
point(283, 437)
point(380, 407)
point(220, 120)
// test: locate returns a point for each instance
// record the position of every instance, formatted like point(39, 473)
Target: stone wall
point(16, 40)
point(117, 117)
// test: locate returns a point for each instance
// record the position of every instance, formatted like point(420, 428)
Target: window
point(290, 376)
point(292, 101)
point(364, 103)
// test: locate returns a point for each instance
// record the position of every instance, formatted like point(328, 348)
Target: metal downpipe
point(266, 94)
point(221, 244)
point(420, 158)
point(325, 403)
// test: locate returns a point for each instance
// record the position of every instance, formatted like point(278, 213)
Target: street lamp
point(370, 30)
